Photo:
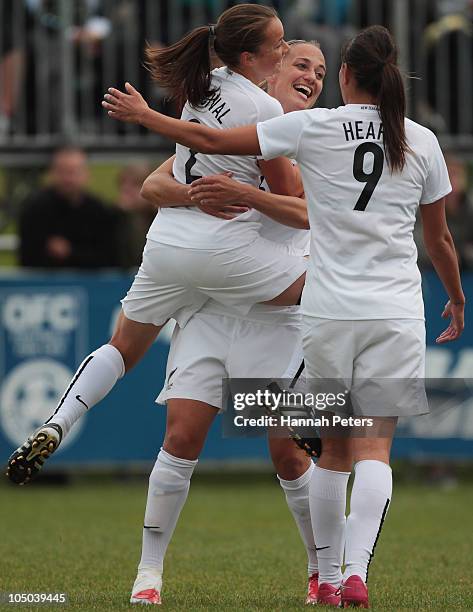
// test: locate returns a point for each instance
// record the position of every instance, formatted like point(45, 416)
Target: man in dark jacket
point(63, 225)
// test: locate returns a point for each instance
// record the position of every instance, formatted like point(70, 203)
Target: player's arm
point(214, 190)
point(441, 250)
point(131, 107)
point(282, 177)
point(162, 189)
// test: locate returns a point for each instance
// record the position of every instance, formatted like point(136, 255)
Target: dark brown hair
point(184, 68)
point(372, 57)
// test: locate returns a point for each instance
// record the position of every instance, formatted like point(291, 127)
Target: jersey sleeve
point(271, 109)
point(281, 136)
point(437, 183)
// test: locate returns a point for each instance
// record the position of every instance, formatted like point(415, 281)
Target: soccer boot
point(312, 589)
point(27, 460)
point(354, 593)
point(146, 589)
point(329, 595)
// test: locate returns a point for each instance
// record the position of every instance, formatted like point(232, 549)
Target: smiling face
point(271, 52)
point(299, 82)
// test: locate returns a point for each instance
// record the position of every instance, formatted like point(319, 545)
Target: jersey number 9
point(372, 178)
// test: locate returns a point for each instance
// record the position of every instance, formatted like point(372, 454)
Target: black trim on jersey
point(383, 516)
point(78, 373)
point(297, 376)
point(150, 527)
point(170, 375)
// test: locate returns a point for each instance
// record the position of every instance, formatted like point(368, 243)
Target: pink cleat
point(146, 588)
point(355, 593)
point(146, 597)
point(312, 589)
point(329, 595)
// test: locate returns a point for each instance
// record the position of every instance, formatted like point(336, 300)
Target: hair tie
point(211, 30)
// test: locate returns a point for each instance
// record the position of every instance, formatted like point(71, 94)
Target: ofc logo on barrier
point(43, 338)
point(22, 312)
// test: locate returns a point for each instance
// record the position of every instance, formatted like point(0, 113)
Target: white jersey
point(291, 240)
point(363, 262)
point(297, 241)
point(236, 102)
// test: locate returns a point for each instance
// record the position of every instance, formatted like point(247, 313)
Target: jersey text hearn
point(362, 130)
point(215, 105)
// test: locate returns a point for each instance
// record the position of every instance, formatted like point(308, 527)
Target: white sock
point(327, 496)
point(96, 376)
point(369, 503)
point(169, 484)
point(297, 497)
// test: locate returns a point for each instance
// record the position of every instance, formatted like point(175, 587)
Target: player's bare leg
point(188, 423)
point(294, 470)
point(94, 379)
point(370, 498)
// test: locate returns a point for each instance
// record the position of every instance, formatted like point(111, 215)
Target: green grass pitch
point(235, 547)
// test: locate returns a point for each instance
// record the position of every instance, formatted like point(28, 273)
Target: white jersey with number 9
point(363, 262)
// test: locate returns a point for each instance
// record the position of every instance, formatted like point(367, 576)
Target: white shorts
point(213, 347)
point(381, 362)
point(176, 282)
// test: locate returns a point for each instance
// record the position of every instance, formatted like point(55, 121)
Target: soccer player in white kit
point(365, 169)
point(217, 344)
point(191, 256)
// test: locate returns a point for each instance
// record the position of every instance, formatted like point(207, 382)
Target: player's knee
point(290, 465)
point(337, 450)
point(182, 443)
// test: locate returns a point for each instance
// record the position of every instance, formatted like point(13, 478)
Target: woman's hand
point(457, 314)
point(129, 107)
point(218, 195)
point(218, 189)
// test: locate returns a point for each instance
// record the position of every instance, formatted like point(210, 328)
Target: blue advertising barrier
point(49, 322)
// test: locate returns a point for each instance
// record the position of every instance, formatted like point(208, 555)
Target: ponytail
point(184, 68)
point(372, 58)
point(392, 110)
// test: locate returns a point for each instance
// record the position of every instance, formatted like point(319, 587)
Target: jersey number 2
point(371, 179)
point(190, 163)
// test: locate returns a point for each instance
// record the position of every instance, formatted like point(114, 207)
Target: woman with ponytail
point(191, 256)
point(366, 168)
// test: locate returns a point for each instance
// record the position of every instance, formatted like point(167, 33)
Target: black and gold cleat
point(27, 460)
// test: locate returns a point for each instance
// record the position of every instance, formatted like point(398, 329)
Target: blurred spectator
point(448, 47)
point(12, 58)
point(459, 208)
point(326, 21)
point(63, 225)
point(133, 215)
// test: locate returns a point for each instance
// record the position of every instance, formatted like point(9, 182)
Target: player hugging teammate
point(365, 170)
